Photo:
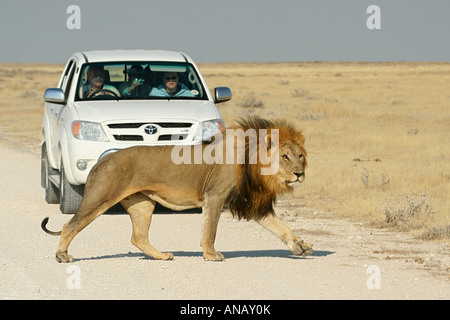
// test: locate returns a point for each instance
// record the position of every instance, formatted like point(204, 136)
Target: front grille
point(174, 124)
point(170, 137)
point(163, 137)
point(161, 124)
point(134, 132)
point(125, 125)
point(128, 137)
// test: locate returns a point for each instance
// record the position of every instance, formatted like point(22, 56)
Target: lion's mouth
point(292, 182)
point(299, 177)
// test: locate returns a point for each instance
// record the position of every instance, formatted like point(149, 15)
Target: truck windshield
point(139, 80)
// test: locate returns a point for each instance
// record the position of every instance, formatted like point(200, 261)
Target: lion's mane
point(254, 194)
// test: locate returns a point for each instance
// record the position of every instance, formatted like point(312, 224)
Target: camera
point(139, 81)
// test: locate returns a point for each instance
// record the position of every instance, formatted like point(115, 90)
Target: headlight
point(211, 128)
point(90, 131)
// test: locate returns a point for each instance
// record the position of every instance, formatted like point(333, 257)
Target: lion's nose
point(300, 176)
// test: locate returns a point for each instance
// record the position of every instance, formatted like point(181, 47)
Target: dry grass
point(377, 134)
point(22, 89)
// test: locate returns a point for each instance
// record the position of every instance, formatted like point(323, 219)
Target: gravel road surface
point(350, 260)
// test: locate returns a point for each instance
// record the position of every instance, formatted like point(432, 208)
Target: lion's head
point(255, 191)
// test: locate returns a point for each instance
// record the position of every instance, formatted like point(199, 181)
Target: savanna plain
point(377, 134)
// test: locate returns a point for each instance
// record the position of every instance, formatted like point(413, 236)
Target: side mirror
point(54, 95)
point(222, 94)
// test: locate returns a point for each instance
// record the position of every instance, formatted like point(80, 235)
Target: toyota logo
point(151, 129)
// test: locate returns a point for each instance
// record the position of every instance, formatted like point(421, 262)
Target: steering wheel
point(103, 92)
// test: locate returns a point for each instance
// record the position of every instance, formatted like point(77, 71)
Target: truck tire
point(51, 191)
point(70, 195)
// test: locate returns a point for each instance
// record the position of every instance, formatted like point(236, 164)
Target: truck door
point(55, 112)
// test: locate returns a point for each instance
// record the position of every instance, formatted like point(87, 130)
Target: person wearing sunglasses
point(171, 87)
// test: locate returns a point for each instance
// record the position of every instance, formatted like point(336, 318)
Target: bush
point(251, 103)
point(409, 216)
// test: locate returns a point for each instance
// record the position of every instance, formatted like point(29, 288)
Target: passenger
point(135, 86)
point(97, 86)
point(171, 87)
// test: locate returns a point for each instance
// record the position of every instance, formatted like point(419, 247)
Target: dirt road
point(350, 261)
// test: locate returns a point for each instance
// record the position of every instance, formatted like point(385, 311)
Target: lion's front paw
point(300, 248)
point(215, 256)
point(63, 257)
point(165, 256)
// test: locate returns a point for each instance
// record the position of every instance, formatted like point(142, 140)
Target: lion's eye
point(285, 157)
point(300, 156)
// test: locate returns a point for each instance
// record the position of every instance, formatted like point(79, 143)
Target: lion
point(140, 176)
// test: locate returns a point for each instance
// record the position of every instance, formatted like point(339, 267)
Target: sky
point(229, 30)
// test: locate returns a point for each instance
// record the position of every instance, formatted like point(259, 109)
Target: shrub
point(251, 103)
point(409, 216)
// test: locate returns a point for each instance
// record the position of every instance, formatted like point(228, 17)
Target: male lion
point(137, 177)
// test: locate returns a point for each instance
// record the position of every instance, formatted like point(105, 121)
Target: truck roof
point(132, 55)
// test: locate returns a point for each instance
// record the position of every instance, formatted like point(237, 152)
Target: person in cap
point(136, 85)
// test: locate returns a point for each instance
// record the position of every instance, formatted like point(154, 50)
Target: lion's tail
point(44, 227)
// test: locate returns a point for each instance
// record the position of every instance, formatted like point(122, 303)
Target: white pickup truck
point(114, 99)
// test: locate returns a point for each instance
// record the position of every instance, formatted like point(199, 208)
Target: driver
point(96, 86)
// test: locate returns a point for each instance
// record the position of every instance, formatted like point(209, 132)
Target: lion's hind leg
point(140, 208)
point(79, 221)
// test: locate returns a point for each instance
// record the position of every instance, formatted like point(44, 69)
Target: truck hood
point(102, 111)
